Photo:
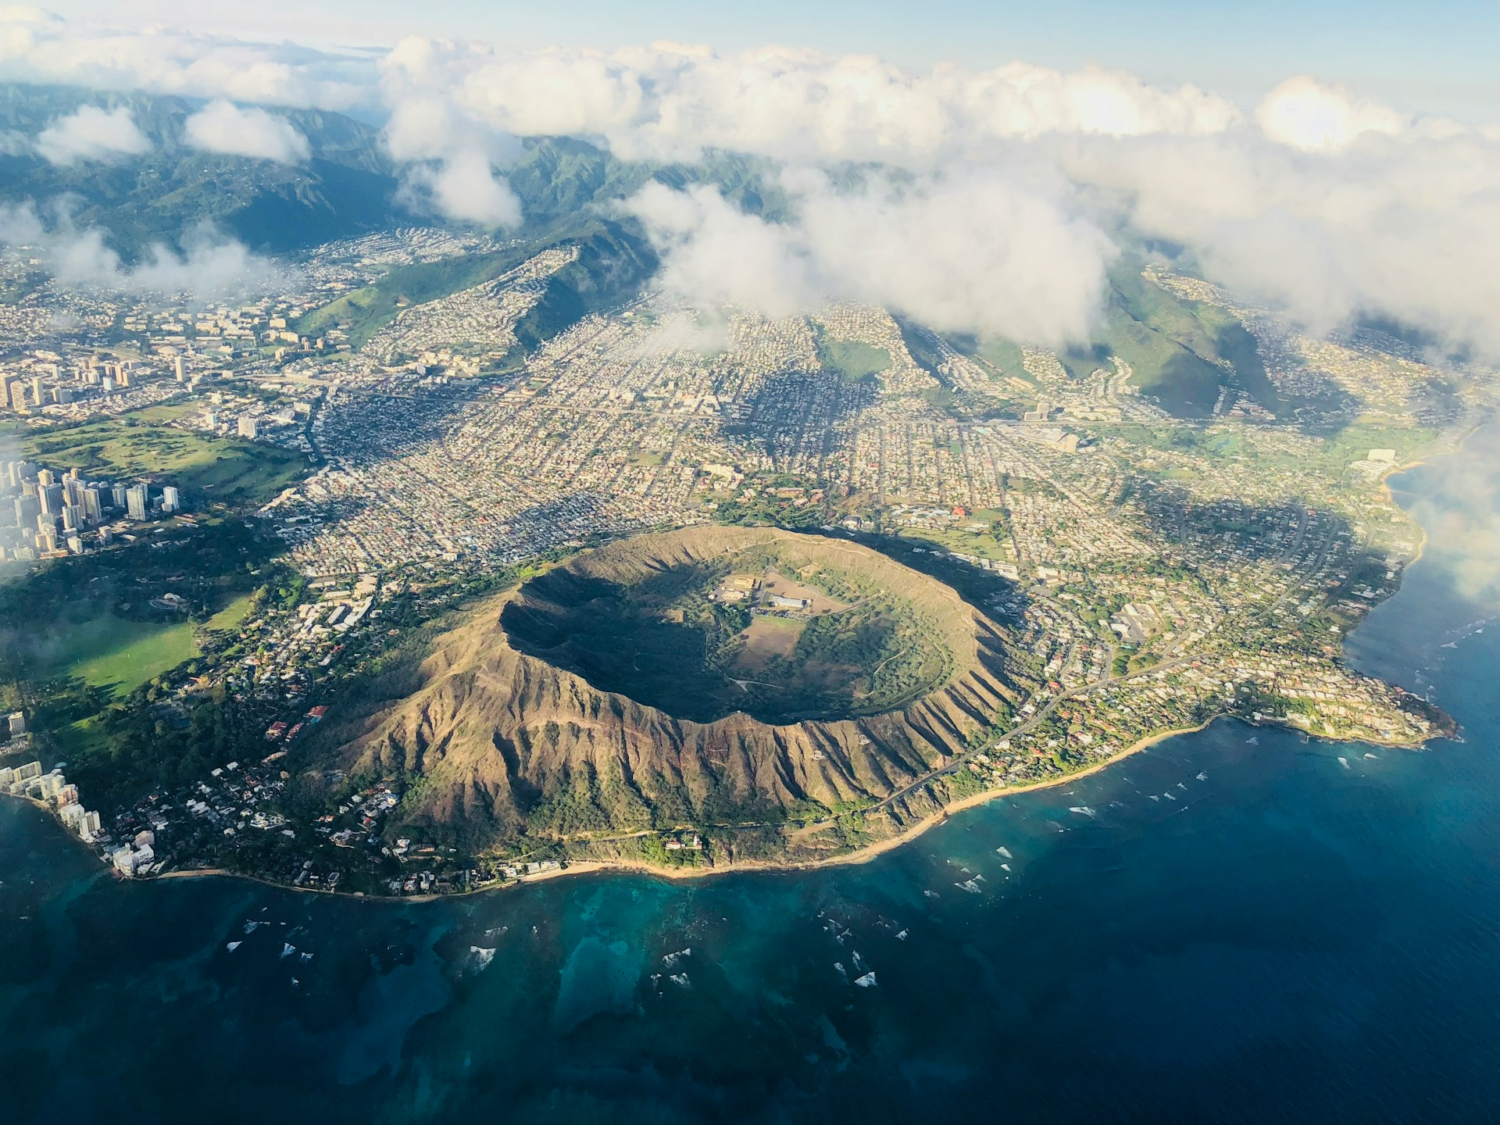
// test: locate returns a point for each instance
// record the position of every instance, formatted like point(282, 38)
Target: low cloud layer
point(1317, 199)
point(452, 161)
point(223, 127)
point(37, 46)
point(208, 265)
point(1305, 114)
point(1320, 201)
point(92, 133)
point(1405, 227)
point(670, 102)
point(972, 253)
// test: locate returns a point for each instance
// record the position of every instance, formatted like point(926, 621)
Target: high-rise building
point(171, 500)
point(93, 503)
point(135, 502)
point(45, 477)
point(117, 495)
point(179, 370)
point(72, 517)
point(52, 498)
point(249, 428)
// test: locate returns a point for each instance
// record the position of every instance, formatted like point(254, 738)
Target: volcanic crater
point(709, 676)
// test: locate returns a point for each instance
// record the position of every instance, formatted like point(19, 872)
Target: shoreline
point(847, 859)
point(857, 857)
point(1407, 466)
point(863, 855)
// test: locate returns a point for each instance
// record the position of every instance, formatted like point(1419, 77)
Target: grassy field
point(979, 543)
point(109, 651)
point(767, 637)
point(232, 614)
point(168, 411)
point(206, 468)
point(1355, 440)
point(853, 361)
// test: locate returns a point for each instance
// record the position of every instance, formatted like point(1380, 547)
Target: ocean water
point(1235, 926)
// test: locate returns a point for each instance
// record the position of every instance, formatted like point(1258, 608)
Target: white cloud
point(92, 133)
point(671, 102)
point(981, 252)
point(1310, 115)
point(1404, 227)
point(454, 159)
point(714, 254)
point(1321, 200)
point(224, 127)
point(464, 187)
point(208, 264)
point(37, 47)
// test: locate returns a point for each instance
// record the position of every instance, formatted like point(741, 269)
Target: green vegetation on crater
point(696, 641)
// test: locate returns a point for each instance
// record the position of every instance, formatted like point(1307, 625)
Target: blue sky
point(1436, 57)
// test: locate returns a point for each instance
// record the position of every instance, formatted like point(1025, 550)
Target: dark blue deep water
point(1290, 939)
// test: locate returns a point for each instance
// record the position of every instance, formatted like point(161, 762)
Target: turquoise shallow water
point(1283, 938)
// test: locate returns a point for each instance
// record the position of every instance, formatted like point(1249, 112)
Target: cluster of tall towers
point(49, 513)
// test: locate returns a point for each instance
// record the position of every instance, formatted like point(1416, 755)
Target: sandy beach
point(861, 855)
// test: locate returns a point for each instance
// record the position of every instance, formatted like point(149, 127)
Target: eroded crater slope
point(719, 678)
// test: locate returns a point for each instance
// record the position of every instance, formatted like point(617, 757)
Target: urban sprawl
point(1152, 582)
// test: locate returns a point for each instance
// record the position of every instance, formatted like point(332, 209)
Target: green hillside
point(613, 262)
point(1181, 352)
point(347, 188)
point(1179, 349)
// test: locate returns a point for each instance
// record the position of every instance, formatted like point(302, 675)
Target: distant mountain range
point(1181, 352)
point(346, 187)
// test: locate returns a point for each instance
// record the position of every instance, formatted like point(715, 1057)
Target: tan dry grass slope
point(494, 731)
